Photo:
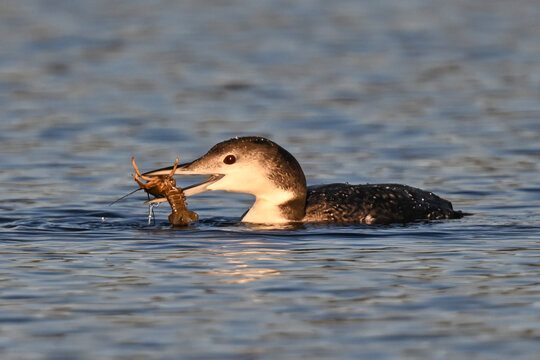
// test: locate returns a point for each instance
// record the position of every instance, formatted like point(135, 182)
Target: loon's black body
point(260, 167)
point(375, 204)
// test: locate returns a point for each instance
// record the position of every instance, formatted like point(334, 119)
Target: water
point(436, 94)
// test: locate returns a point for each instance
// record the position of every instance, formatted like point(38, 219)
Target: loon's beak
point(184, 169)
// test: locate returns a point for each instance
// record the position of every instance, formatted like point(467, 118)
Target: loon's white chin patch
point(203, 186)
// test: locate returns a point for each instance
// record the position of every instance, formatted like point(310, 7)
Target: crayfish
point(164, 186)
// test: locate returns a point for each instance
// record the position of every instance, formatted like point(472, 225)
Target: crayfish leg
point(174, 168)
point(141, 184)
point(147, 178)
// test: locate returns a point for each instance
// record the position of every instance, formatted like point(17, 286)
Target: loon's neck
point(278, 208)
point(280, 189)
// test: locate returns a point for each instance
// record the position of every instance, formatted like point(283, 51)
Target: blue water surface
point(442, 95)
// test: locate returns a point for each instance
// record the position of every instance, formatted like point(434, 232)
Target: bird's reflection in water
point(244, 264)
point(242, 273)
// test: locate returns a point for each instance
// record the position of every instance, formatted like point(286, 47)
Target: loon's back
point(375, 204)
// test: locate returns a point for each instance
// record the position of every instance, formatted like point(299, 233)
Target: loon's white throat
point(260, 167)
point(256, 166)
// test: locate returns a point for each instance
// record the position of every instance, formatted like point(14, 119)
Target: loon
point(260, 167)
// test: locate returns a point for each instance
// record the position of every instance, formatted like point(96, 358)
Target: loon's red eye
point(229, 159)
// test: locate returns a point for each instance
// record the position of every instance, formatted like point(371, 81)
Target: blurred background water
point(442, 95)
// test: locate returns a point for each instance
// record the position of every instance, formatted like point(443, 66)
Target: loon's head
point(256, 166)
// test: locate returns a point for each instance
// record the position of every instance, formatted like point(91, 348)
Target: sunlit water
point(442, 95)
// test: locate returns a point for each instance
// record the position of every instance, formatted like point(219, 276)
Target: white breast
point(266, 210)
